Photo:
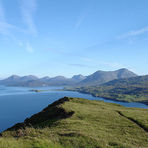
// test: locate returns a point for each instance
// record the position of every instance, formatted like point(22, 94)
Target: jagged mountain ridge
point(97, 78)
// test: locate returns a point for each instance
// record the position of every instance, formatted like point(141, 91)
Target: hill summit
point(77, 123)
point(100, 77)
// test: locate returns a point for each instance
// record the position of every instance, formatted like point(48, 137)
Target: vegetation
point(79, 123)
point(129, 89)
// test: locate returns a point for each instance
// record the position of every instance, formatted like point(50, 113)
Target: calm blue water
point(18, 103)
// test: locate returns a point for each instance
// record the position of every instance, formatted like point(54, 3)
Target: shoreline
point(143, 102)
point(106, 98)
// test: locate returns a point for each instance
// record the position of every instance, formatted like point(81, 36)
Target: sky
point(68, 37)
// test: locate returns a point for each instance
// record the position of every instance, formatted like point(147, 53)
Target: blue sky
point(67, 37)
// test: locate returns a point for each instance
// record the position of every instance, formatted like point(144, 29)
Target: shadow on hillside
point(47, 117)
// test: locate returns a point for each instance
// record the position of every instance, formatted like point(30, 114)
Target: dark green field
point(80, 123)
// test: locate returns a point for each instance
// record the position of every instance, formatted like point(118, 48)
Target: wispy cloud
point(4, 26)
point(83, 15)
point(134, 33)
point(28, 9)
point(8, 29)
point(103, 63)
point(112, 65)
point(29, 48)
point(85, 59)
point(2, 16)
point(20, 43)
point(80, 20)
point(82, 65)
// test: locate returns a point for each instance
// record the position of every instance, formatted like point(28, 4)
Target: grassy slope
point(74, 122)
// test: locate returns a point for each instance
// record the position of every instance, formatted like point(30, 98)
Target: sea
point(19, 103)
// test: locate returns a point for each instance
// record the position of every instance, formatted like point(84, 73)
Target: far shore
point(144, 102)
point(39, 90)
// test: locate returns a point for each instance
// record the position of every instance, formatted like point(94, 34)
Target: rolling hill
point(78, 123)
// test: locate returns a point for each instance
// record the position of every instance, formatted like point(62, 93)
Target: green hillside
point(80, 123)
point(127, 89)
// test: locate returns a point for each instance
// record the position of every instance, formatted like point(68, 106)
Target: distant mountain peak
point(45, 78)
point(123, 69)
point(100, 77)
point(78, 77)
point(31, 76)
point(14, 77)
point(125, 73)
point(59, 77)
point(28, 78)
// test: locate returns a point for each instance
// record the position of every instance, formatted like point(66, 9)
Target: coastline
point(106, 98)
point(112, 99)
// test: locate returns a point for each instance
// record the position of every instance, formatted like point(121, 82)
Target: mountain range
point(97, 78)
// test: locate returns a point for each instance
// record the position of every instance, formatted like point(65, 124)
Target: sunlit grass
point(93, 124)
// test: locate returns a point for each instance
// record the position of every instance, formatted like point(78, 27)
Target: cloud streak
point(104, 63)
point(80, 20)
point(2, 16)
point(29, 48)
point(82, 65)
point(7, 29)
point(85, 59)
point(134, 33)
point(112, 65)
point(28, 9)
point(4, 26)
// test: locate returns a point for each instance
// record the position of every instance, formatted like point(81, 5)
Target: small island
point(36, 90)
